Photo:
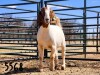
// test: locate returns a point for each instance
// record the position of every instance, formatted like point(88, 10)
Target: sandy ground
point(72, 68)
point(30, 67)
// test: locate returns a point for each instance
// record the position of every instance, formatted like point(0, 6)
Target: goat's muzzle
point(47, 21)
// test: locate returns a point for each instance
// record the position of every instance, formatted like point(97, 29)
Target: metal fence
point(18, 34)
point(81, 37)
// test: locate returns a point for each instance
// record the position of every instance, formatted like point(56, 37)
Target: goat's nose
point(47, 19)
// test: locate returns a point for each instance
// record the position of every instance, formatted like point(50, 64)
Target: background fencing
point(18, 34)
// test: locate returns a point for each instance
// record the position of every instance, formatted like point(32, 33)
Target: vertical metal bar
point(99, 36)
point(38, 9)
point(97, 32)
point(84, 28)
point(18, 35)
point(93, 37)
point(80, 34)
point(42, 3)
point(45, 4)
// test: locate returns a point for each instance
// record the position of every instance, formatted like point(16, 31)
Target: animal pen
point(18, 41)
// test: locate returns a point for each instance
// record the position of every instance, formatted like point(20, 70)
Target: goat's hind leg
point(63, 57)
point(41, 56)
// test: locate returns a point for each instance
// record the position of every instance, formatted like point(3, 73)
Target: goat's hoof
point(41, 70)
point(52, 69)
point(57, 67)
point(62, 67)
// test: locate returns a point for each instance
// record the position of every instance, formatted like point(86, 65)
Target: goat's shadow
point(25, 70)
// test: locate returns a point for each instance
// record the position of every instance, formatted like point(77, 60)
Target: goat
point(49, 37)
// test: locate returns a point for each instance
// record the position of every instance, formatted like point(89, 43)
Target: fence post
point(99, 37)
point(38, 9)
point(42, 3)
point(84, 29)
point(97, 32)
point(93, 37)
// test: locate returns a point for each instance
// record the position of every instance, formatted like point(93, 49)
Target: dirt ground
point(73, 67)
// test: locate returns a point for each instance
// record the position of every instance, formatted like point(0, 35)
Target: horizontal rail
point(18, 27)
point(70, 54)
point(74, 39)
point(16, 8)
point(13, 48)
point(7, 53)
point(19, 54)
point(76, 25)
point(56, 10)
point(54, 0)
point(78, 18)
point(79, 25)
point(74, 44)
point(16, 4)
point(30, 1)
point(19, 43)
point(74, 49)
point(12, 19)
point(17, 46)
point(85, 52)
point(35, 57)
point(73, 54)
point(83, 59)
point(19, 59)
point(31, 40)
point(18, 21)
point(12, 39)
point(67, 45)
point(75, 8)
point(82, 46)
point(18, 12)
point(69, 15)
point(14, 33)
point(81, 39)
point(73, 28)
point(80, 33)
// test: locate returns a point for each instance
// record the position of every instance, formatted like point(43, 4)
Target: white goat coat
point(51, 36)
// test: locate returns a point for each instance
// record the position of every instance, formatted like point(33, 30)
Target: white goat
point(50, 37)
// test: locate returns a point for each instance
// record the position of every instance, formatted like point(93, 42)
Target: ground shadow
point(25, 70)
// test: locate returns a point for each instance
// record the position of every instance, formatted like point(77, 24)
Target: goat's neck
point(46, 28)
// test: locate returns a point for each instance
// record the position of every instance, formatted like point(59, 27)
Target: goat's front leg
point(52, 58)
point(63, 58)
point(56, 59)
point(41, 56)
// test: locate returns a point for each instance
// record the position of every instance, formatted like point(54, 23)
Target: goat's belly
point(45, 43)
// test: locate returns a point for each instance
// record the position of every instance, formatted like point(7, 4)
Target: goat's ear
point(39, 19)
point(52, 14)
